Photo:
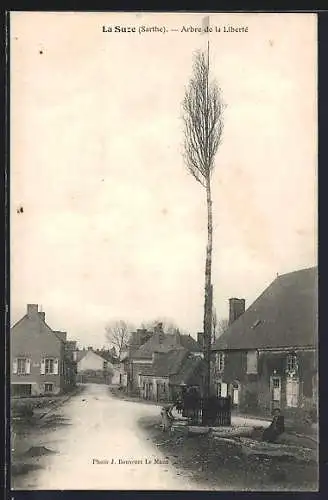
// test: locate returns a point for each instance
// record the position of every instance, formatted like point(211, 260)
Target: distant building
point(170, 373)
point(267, 358)
point(41, 359)
point(94, 365)
point(140, 355)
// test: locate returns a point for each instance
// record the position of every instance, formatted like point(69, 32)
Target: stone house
point(41, 358)
point(158, 343)
point(267, 358)
point(169, 372)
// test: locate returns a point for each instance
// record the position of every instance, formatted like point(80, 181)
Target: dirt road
point(94, 442)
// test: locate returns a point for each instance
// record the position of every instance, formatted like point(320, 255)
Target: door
point(275, 392)
point(235, 394)
point(224, 390)
point(292, 392)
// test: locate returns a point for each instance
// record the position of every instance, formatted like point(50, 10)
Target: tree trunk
point(208, 296)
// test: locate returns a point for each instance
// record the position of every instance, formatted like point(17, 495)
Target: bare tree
point(219, 326)
point(203, 126)
point(117, 335)
point(222, 326)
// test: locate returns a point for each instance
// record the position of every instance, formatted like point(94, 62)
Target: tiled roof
point(179, 365)
point(106, 355)
point(162, 342)
point(191, 372)
point(170, 363)
point(42, 321)
point(284, 315)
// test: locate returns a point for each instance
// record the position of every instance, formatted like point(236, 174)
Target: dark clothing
point(276, 428)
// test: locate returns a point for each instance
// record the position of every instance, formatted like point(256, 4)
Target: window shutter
point(251, 362)
point(15, 366)
point(43, 367)
point(28, 366)
point(56, 367)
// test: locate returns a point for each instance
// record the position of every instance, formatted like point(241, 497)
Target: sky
point(113, 226)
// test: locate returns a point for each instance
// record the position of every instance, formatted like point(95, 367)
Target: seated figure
point(276, 427)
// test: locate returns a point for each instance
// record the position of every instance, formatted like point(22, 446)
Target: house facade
point(137, 362)
point(41, 362)
point(150, 365)
point(94, 366)
point(169, 374)
point(267, 358)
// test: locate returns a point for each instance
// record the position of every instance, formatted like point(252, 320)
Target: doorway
point(275, 392)
point(235, 393)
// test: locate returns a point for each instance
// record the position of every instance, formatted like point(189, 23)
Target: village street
point(94, 441)
point(91, 428)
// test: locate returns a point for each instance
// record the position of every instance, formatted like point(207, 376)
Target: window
point(224, 390)
point(292, 392)
point(219, 358)
point(49, 366)
point(251, 362)
point(291, 363)
point(48, 387)
point(276, 387)
point(21, 366)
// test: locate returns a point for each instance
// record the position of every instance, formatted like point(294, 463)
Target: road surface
point(96, 444)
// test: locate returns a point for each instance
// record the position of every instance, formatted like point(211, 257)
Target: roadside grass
point(224, 467)
point(27, 424)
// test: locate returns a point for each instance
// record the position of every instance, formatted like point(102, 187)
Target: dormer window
point(256, 323)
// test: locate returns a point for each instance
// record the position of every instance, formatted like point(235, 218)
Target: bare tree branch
point(203, 121)
point(117, 335)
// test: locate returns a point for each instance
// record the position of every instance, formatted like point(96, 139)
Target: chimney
point(200, 339)
point(42, 315)
point(32, 310)
point(236, 309)
point(158, 328)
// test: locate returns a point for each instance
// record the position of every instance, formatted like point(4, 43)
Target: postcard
point(163, 181)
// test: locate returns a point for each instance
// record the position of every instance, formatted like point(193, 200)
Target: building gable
point(93, 361)
point(33, 335)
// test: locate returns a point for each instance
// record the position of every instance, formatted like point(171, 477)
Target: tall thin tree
point(203, 126)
